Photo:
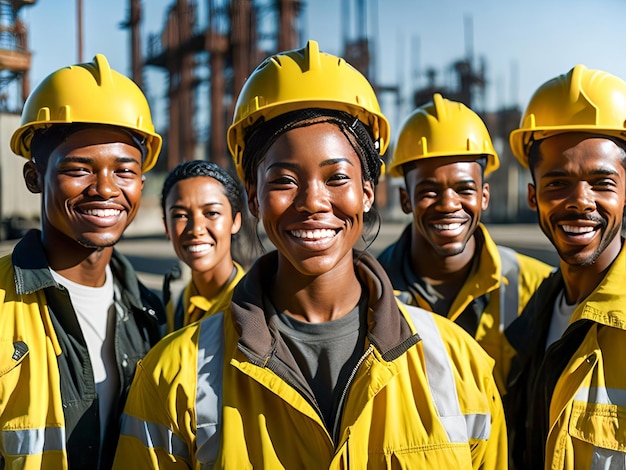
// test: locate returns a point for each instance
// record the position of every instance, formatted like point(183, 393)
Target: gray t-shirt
point(326, 353)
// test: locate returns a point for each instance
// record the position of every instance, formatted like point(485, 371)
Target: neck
point(74, 261)
point(211, 282)
point(318, 298)
point(442, 270)
point(581, 281)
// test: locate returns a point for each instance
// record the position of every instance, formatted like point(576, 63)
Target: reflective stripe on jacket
point(581, 424)
point(483, 286)
point(389, 418)
point(48, 404)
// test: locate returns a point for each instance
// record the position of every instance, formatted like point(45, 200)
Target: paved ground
point(153, 256)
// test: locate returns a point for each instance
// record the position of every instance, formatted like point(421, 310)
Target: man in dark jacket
point(74, 319)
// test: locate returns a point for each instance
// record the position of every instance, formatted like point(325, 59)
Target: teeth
point(198, 248)
point(103, 212)
point(314, 234)
point(575, 229)
point(447, 226)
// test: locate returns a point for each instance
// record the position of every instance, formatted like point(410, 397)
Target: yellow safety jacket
point(494, 294)
point(49, 416)
point(582, 422)
point(192, 306)
point(226, 392)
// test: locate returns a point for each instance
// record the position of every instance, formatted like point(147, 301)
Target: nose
point(581, 198)
point(312, 197)
point(104, 185)
point(448, 201)
point(196, 225)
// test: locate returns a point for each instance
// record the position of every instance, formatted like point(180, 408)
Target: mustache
point(596, 218)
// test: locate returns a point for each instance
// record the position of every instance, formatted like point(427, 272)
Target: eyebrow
point(595, 172)
point(431, 181)
point(295, 166)
point(180, 206)
point(91, 161)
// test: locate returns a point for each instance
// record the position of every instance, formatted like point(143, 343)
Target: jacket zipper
point(335, 434)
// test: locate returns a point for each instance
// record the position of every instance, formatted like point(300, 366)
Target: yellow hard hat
point(583, 100)
point(301, 79)
point(87, 93)
point(443, 128)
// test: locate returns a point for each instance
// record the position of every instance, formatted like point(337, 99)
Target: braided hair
point(232, 187)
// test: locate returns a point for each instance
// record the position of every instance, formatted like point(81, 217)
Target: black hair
point(191, 169)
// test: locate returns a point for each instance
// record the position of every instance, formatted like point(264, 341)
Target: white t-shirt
point(95, 311)
point(561, 314)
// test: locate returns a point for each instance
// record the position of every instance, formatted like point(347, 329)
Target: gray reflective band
point(607, 459)
point(154, 436)
point(33, 441)
point(509, 294)
point(601, 396)
point(209, 388)
point(441, 383)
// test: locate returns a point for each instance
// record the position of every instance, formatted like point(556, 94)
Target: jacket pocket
point(598, 425)
point(12, 353)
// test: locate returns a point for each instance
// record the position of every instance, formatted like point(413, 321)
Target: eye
point(338, 179)
point(178, 215)
point(127, 172)
point(466, 190)
point(604, 184)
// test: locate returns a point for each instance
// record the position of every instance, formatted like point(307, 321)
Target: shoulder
point(179, 350)
point(528, 263)
point(462, 349)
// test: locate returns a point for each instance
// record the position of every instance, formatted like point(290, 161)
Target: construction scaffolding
point(221, 50)
point(15, 56)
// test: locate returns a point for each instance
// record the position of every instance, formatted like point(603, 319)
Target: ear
point(167, 232)
point(405, 201)
point(532, 196)
point(236, 224)
point(253, 202)
point(486, 197)
point(32, 177)
point(368, 196)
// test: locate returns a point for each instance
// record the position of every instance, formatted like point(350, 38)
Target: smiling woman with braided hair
point(203, 209)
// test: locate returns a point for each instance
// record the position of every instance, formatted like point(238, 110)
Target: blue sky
point(524, 43)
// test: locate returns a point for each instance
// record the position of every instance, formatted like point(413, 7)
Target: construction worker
point(445, 260)
point(74, 319)
point(203, 208)
point(315, 364)
point(567, 385)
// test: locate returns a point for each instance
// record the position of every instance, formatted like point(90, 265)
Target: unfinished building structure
point(14, 56)
point(222, 49)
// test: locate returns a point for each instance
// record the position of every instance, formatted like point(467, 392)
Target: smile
point(453, 226)
point(198, 248)
point(577, 230)
point(102, 212)
point(317, 234)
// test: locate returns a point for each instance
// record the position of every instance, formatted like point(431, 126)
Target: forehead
point(197, 186)
point(97, 136)
point(443, 168)
point(579, 153)
point(312, 144)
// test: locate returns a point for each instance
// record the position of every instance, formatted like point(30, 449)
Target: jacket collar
point(387, 329)
point(32, 271)
point(605, 305)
